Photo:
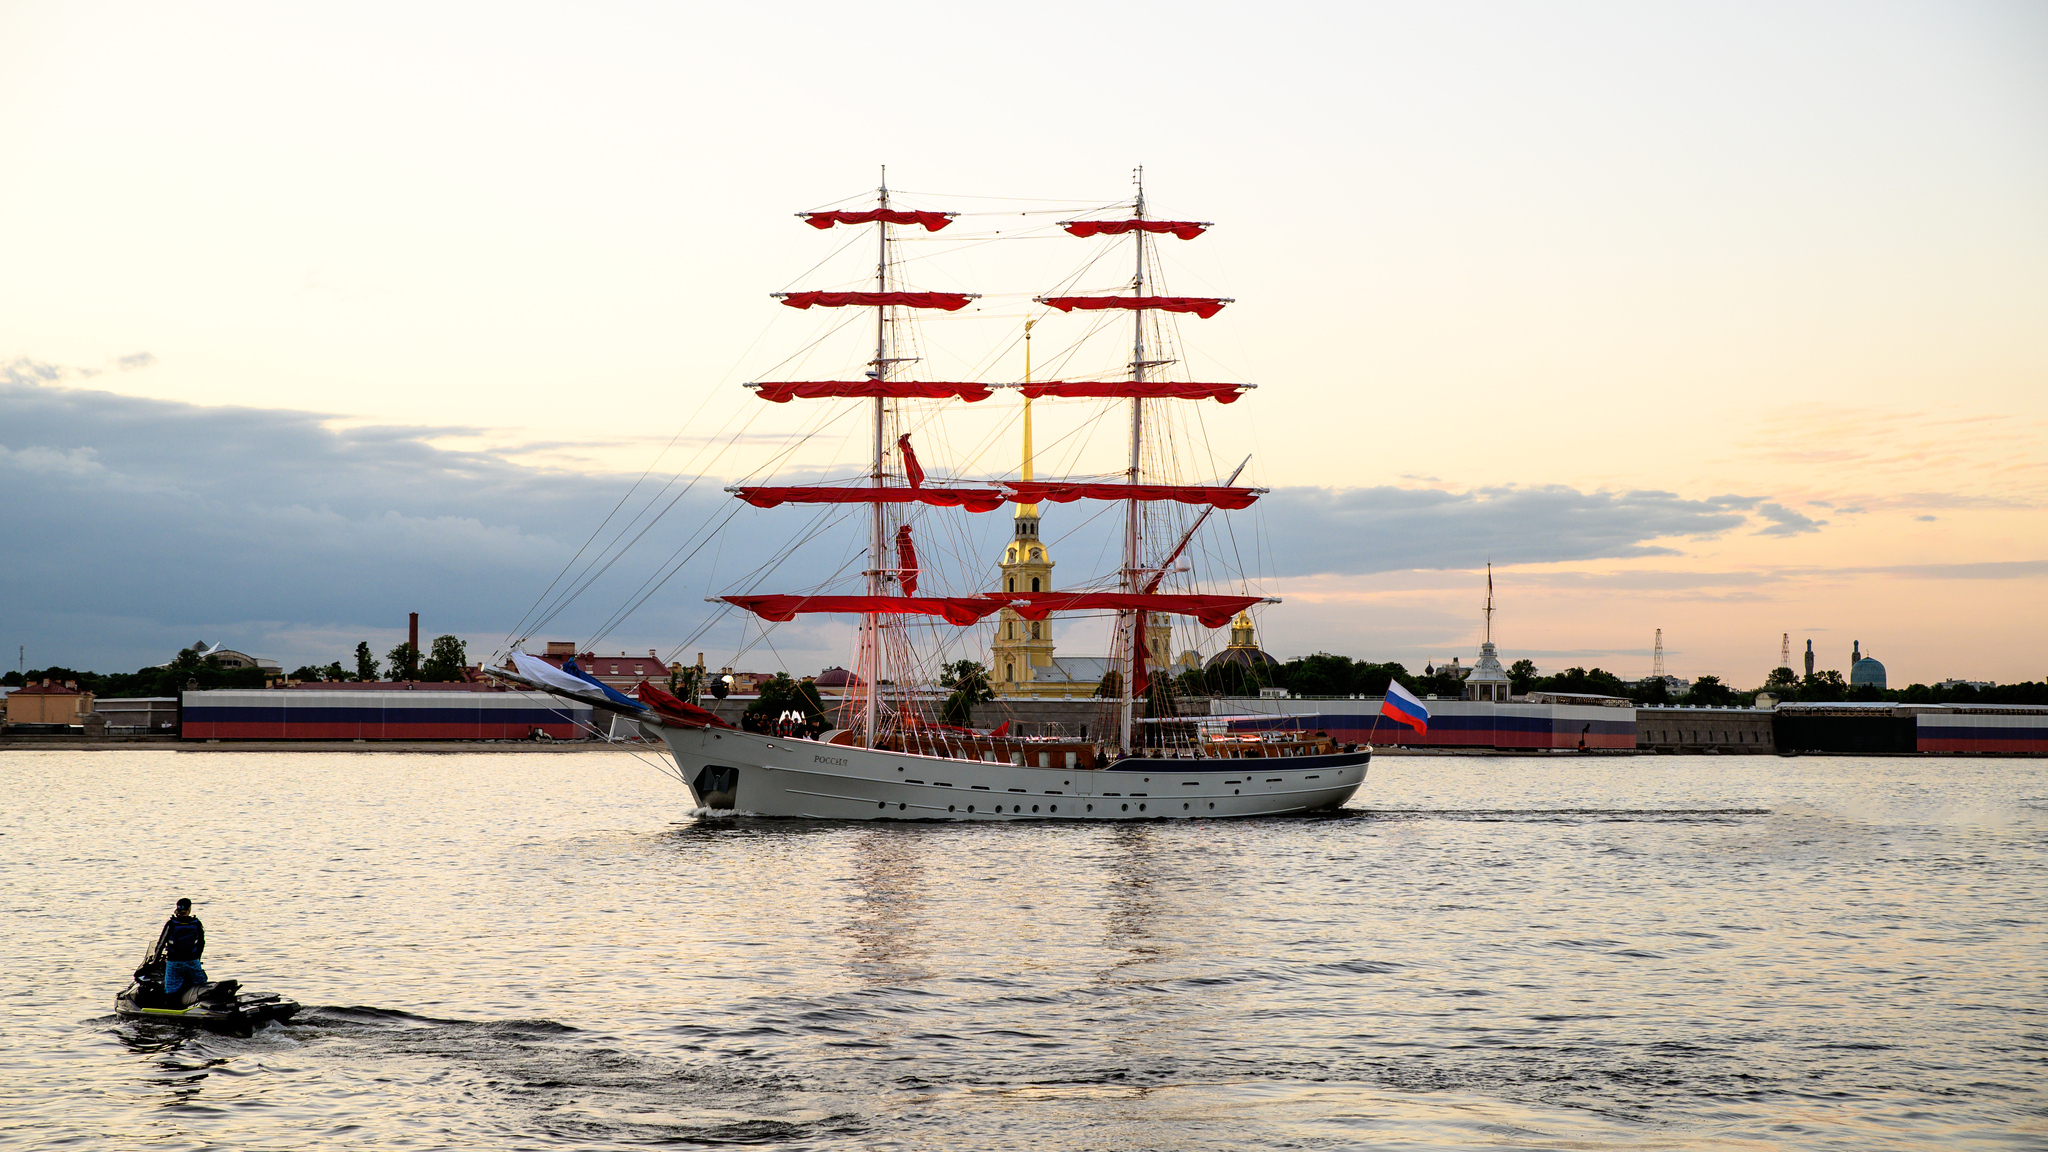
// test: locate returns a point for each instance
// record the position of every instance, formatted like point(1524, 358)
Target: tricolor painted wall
point(419, 714)
point(1988, 728)
point(1452, 723)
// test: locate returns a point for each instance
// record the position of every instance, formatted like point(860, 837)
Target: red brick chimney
point(412, 632)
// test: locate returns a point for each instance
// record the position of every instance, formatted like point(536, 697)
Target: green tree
point(334, 673)
point(1320, 674)
point(1652, 691)
point(1441, 684)
point(969, 682)
point(1781, 679)
point(366, 664)
point(404, 661)
point(307, 672)
point(1710, 691)
point(1520, 675)
point(1581, 681)
point(170, 679)
point(686, 683)
point(1823, 687)
point(1227, 678)
point(447, 661)
point(58, 674)
point(11, 680)
point(781, 695)
point(1372, 679)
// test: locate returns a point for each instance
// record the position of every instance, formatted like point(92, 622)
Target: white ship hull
point(780, 776)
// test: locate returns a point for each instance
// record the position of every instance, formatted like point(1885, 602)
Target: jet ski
point(220, 1005)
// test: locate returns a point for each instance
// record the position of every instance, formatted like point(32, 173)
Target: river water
point(541, 951)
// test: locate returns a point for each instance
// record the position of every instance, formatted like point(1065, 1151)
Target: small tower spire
point(1489, 601)
point(1657, 657)
point(1027, 510)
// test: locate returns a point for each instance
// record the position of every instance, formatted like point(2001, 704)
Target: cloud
point(1926, 518)
point(138, 360)
point(1987, 570)
point(1368, 530)
point(154, 522)
point(1786, 522)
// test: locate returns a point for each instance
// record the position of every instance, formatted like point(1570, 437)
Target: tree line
point(447, 661)
point(1326, 674)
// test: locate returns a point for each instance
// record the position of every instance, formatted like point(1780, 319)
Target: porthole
point(1141, 807)
point(1091, 807)
point(949, 807)
point(1034, 807)
point(1234, 791)
point(1055, 807)
point(881, 803)
point(1183, 807)
point(901, 807)
point(1212, 803)
point(1127, 807)
point(970, 807)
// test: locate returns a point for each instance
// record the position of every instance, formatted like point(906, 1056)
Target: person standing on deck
point(181, 944)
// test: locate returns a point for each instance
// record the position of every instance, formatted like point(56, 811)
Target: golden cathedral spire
point(1030, 510)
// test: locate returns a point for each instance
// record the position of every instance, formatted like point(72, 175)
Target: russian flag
point(1402, 707)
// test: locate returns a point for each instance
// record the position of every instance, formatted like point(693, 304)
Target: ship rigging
point(862, 768)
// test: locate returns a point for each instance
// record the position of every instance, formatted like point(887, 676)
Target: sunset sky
point(1730, 320)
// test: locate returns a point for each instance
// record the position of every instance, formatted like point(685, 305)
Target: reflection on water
point(889, 879)
point(1129, 872)
point(1809, 954)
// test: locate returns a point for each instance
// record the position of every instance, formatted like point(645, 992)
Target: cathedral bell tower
point(1021, 645)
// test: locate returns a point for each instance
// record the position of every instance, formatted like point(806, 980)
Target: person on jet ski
point(180, 945)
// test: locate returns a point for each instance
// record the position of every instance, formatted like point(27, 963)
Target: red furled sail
point(950, 301)
point(906, 560)
point(783, 391)
point(911, 468)
point(1064, 492)
point(972, 499)
point(1212, 611)
point(677, 713)
point(932, 221)
point(1185, 229)
point(1142, 389)
point(959, 610)
point(1140, 679)
point(1203, 306)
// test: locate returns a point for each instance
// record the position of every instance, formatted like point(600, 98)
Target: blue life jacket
point(184, 938)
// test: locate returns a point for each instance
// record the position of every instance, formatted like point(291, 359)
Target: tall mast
point(871, 622)
point(1131, 512)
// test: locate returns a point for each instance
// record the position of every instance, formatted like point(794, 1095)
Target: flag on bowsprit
point(1402, 707)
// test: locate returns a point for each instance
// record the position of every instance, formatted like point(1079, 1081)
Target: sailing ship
point(888, 757)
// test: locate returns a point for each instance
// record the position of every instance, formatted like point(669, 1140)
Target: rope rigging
point(950, 545)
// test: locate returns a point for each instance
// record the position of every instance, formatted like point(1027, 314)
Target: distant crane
point(1657, 657)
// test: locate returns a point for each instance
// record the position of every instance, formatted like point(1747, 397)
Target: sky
point(1726, 320)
